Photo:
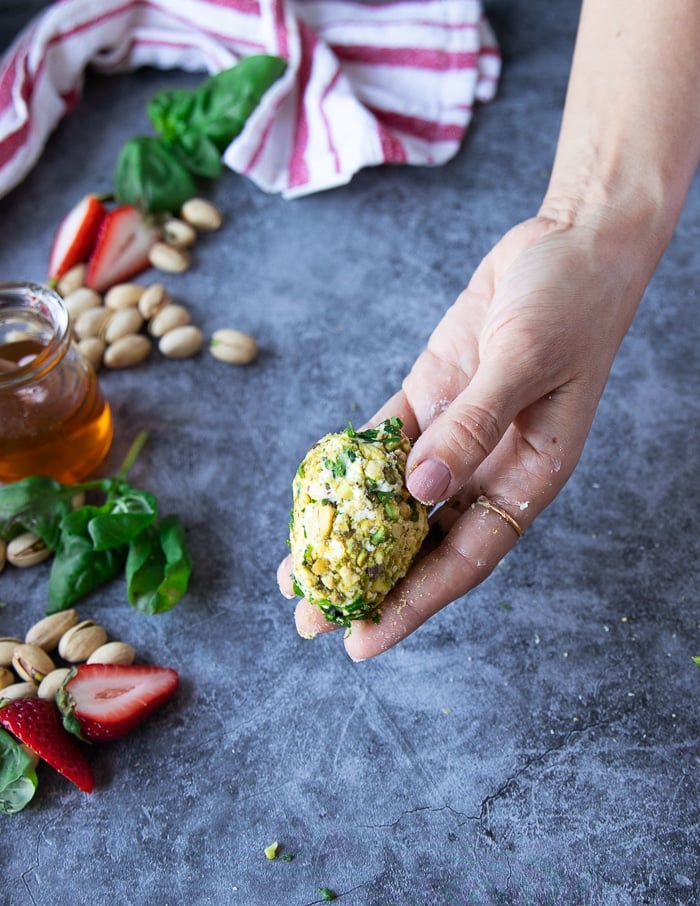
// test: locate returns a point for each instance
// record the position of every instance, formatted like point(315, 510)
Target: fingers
point(476, 543)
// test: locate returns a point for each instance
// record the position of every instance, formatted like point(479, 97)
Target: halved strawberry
point(76, 236)
point(123, 242)
point(37, 723)
point(105, 701)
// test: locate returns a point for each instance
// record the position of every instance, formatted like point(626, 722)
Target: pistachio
point(7, 649)
point(3, 548)
point(78, 643)
point(177, 232)
point(127, 351)
point(52, 682)
point(113, 653)
point(27, 549)
point(169, 258)
point(123, 295)
point(122, 323)
point(72, 279)
point(93, 349)
point(47, 632)
point(201, 214)
point(233, 346)
point(153, 299)
point(16, 691)
point(7, 677)
point(91, 322)
point(168, 318)
point(182, 342)
point(81, 300)
point(31, 663)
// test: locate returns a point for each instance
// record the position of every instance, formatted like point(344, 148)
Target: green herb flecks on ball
point(355, 528)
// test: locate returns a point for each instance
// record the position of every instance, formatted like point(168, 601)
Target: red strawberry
point(37, 723)
point(122, 247)
point(105, 701)
point(76, 235)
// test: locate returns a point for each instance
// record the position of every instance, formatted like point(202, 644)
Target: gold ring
point(499, 511)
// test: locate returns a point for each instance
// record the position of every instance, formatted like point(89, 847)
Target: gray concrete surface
point(533, 745)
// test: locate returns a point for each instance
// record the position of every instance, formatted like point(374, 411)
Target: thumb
point(459, 440)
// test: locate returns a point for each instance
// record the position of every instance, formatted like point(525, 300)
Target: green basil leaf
point(199, 154)
point(158, 567)
point(122, 519)
point(34, 504)
point(149, 176)
point(77, 567)
point(169, 111)
point(18, 781)
point(225, 101)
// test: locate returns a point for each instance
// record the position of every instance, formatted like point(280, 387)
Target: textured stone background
point(534, 744)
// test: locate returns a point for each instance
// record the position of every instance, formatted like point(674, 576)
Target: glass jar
point(54, 419)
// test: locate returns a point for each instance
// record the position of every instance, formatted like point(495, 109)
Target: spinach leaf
point(158, 567)
point(18, 781)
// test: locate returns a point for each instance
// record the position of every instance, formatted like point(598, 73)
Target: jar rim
point(47, 304)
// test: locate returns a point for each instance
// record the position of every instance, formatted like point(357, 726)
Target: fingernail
point(429, 481)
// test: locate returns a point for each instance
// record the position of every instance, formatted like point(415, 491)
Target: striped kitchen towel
point(367, 83)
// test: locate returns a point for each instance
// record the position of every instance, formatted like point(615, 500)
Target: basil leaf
point(18, 781)
point(34, 504)
point(158, 567)
point(225, 101)
point(217, 110)
point(169, 111)
point(77, 567)
point(121, 520)
point(199, 154)
point(149, 176)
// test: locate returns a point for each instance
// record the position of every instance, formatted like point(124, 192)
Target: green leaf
point(78, 568)
point(158, 567)
point(149, 176)
point(18, 781)
point(34, 504)
point(122, 519)
point(697, 660)
point(199, 154)
point(169, 110)
point(217, 110)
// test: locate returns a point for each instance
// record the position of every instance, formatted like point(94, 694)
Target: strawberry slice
point(76, 236)
point(106, 701)
point(121, 251)
point(37, 723)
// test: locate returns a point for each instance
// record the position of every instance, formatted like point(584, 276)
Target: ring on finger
point(488, 504)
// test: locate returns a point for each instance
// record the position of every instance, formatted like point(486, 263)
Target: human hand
point(498, 405)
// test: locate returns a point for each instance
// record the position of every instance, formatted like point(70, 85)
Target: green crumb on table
point(327, 893)
point(271, 850)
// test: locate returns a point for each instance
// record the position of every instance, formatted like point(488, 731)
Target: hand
point(500, 404)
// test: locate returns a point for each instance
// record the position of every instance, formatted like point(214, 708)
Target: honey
point(54, 419)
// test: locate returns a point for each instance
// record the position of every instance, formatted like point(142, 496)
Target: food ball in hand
point(355, 528)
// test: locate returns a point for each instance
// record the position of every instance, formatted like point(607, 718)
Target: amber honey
point(54, 419)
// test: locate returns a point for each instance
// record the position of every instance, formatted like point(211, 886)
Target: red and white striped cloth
point(367, 83)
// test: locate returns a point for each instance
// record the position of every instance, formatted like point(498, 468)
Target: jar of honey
point(54, 419)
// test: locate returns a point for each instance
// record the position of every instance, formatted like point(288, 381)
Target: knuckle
point(474, 434)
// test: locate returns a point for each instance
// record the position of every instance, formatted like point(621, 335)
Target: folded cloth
point(367, 83)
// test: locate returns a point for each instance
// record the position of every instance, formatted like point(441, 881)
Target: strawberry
point(76, 236)
point(37, 723)
point(105, 701)
point(121, 251)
